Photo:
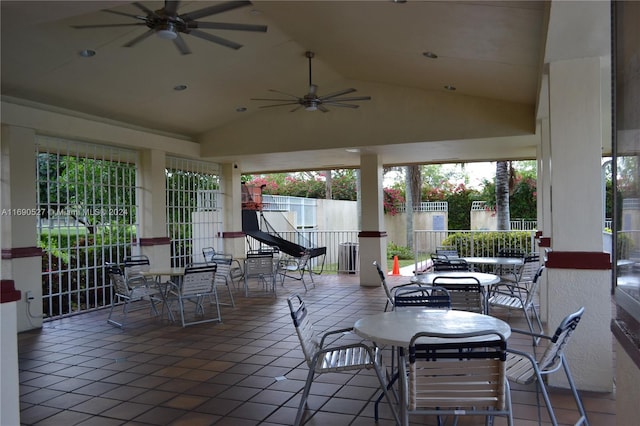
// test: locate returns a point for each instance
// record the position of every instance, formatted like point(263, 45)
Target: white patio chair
point(415, 296)
point(385, 286)
point(513, 296)
point(196, 284)
point(224, 264)
point(135, 264)
point(467, 295)
point(523, 367)
point(457, 378)
point(295, 268)
point(127, 291)
point(324, 358)
point(260, 266)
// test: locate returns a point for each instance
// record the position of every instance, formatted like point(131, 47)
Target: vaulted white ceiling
point(491, 52)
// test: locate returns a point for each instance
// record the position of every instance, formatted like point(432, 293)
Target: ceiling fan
point(168, 24)
point(312, 101)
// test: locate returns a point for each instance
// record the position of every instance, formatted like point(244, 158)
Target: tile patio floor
point(247, 370)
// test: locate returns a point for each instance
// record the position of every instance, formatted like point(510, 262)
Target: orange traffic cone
point(396, 266)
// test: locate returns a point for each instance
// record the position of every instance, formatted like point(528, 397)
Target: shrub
point(402, 252)
point(489, 243)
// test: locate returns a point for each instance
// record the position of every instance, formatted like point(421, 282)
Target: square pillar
point(372, 237)
point(233, 238)
point(21, 257)
point(578, 270)
point(152, 208)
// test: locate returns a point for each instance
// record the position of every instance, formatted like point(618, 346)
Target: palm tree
point(503, 175)
point(413, 188)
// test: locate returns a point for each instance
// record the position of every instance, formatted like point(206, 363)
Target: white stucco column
point(544, 203)
point(578, 270)
point(9, 378)
point(152, 210)
point(21, 258)
point(231, 185)
point(372, 237)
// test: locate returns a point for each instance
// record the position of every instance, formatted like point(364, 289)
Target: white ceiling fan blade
point(181, 45)
point(212, 10)
point(139, 38)
point(337, 104)
point(277, 105)
point(228, 26)
point(284, 93)
point(350, 99)
point(215, 39)
point(341, 92)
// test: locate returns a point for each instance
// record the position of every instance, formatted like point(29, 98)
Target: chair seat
point(520, 370)
point(506, 301)
point(346, 358)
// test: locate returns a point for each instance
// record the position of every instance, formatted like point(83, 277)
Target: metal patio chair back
point(135, 264)
point(465, 375)
point(385, 286)
point(197, 283)
point(467, 295)
point(434, 297)
point(450, 264)
point(260, 266)
point(224, 263)
point(448, 251)
point(523, 368)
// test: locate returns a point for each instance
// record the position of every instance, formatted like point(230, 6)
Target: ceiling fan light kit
point(167, 24)
point(312, 101)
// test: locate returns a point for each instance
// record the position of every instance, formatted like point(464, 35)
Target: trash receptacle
point(348, 261)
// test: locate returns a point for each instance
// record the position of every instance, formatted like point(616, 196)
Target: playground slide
point(250, 227)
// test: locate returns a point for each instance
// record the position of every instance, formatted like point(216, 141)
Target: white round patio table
point(428, 277)
point(495, 261)
point(396, 328)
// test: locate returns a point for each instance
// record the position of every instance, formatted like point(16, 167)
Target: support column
point(233, 237)
point(578, 269)
point(21, 257)
point(372, 237)
point(544, 204)
point(152, 209)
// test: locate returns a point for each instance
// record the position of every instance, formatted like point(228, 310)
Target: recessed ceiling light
point(87, 53)
point(430, 55)
point(241, 109)
point(450, 87)
point(180, 87)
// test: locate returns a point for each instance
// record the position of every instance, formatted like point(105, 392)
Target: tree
point(502, 195)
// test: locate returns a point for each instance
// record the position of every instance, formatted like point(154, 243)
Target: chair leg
point(181, 306)
point(583, 414)
point(547, 401)
point(537, 317)
point(383, 385)
point(233, 303)
point(305, 395)
point(112, 321)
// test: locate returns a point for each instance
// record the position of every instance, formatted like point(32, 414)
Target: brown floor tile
point(81, 370)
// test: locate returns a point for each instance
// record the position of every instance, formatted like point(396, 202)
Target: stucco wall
point(337, 215)
point(396, 226)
